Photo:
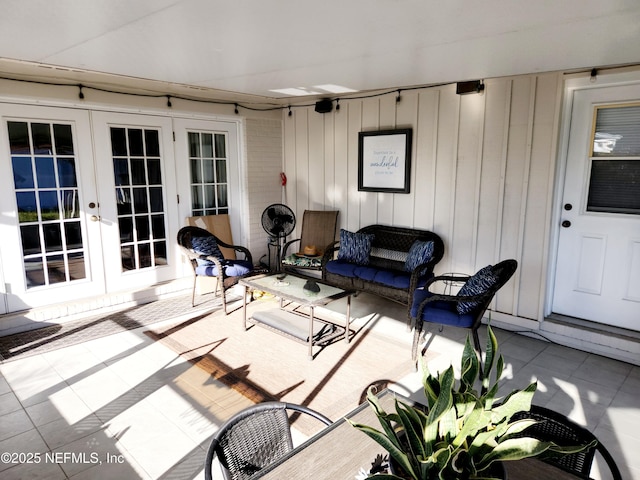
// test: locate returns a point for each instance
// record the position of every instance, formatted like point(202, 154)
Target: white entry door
point(598, 266)
point(138, 198)
point(50, 249)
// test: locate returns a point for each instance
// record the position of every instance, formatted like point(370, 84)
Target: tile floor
point(124, 407)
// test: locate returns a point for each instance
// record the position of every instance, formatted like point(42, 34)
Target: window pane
point(67, 172)
point(144, 255)
point(140, 204)
point(194, 144)
point(30, 235)
point(56, 269)
point(73, 235)
point(222, 196)
point(160, 253)
point(41, 138)
point(196, 196)
point(49, 205)
point(123, 199)
point(196, 174)
point(209, 196)
point(70, 204)
point(22, 172)
point(208, 171)
point(155, 196)
point(77, 269)
point(63, 139)
point(121, 171)
point(157, 226)
point(45, 173)
point(119, 142)
point(152, 143)
point(138, 176)
point(19, 137)
point(207, 145)
point(221, 166)
point(34, 270)
point(617, 132)
point(142, 228)
point(614, 186)
point(154, 171)
point(221, 146)
point(52, 237)
point(128, 258)
point(27, 209)
point(126, 229)
point(136, 148)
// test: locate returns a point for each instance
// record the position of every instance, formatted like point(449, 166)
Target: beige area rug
point(264, 365)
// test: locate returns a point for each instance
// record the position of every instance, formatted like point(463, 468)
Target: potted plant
point(461, 433)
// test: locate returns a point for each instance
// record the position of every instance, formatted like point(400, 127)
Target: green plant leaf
point(518, 401)
point(490, 358)
point(470, 367)
point(513, 449)
point(394, 450)
point(412, 427)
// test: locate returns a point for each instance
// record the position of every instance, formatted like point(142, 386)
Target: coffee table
point(295, 318)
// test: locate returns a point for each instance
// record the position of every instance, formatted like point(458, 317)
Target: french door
point(50, 249)
point(88, 204)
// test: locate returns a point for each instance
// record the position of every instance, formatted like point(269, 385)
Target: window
point(209, 179)
point(614, 183)
point(48, 207)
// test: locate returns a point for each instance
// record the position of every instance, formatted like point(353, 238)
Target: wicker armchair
point(318, 230)
point(555, 427)
point(207, 264)
point(254, 438)
point(465, 309)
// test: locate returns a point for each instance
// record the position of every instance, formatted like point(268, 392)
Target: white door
point(138, 198)
point(50, 248)
point(598, 266)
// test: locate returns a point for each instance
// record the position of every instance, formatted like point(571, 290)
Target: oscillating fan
point(278, 221)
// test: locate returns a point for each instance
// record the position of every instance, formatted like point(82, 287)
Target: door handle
point(94, 218)
point(566, 224)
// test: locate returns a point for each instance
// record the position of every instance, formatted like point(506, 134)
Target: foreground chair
point(555, 427)
point(201, 247)
point(463, 310)
point(254, 438)
point(318, 230)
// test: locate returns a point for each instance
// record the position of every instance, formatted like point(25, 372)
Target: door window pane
point(47, 200)
point(132, 165)
point(208, 160)
point(614, 182)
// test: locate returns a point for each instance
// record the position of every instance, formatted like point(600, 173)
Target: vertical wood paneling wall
point(482, 173)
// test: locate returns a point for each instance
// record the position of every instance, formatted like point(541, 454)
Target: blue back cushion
point(419, 253)
point(478, 284)
point(355, 247)
point(206, 246)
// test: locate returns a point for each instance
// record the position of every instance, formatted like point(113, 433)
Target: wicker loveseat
point(391, 268)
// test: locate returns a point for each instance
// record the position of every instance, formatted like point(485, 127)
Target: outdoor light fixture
point(473, 86)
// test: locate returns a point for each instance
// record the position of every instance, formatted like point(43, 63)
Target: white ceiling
point(256, 46)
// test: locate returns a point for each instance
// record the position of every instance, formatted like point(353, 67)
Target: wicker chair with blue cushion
point(201, 247)
point(466, 308)
point(255, 438)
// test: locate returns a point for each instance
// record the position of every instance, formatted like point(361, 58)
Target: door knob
point(566, 224)
point(568, 206)
point(94, 218)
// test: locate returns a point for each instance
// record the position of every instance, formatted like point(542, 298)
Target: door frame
point(572, 84)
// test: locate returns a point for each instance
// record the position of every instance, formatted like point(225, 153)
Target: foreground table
point(339, 451)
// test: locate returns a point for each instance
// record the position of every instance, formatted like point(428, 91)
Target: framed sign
point(384, 161)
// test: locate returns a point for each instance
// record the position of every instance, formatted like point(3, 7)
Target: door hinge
point(174, 136)
point(178, 198)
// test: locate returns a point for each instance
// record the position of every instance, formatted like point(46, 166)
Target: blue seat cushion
point(232, 268)
point(439, 311)
point(341, 267)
